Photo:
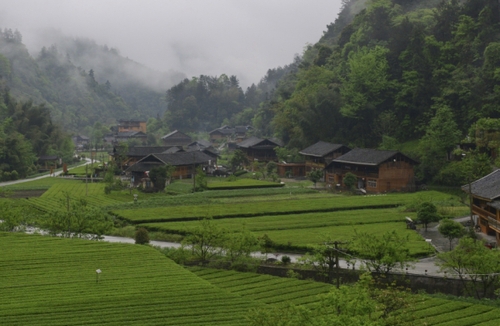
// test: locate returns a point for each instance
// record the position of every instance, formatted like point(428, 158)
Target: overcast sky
point(235, 37)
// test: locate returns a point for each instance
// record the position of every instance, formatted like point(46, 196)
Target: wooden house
point(132, 125)
point(222, 133)
point(320, 154)
point(486, 203)
point(136, 153)
point(128, 135)
point(258, 149)
point(205, 147)
point(176, 138)
point(185, 164)
point(376, 170)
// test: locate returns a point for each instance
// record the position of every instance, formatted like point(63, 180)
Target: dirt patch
point(27, 193)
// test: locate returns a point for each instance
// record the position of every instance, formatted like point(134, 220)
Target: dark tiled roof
point(131, 120)
point(48, 158)
point(254, 142)
point(126, 134)
point(175, 159)
point(177, 134)
point(229, 131)
point(320, 149)
point(487, 187)
point(365, 156)
point(146, 150)
point(173, 149)
point(202, 142)
point(183, 158)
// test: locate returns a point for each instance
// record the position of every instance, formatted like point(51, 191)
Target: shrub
point(141, 236)
point(286, 260)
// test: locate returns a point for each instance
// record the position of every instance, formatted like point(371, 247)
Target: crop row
point(293, 221)
point(455, 313)
point(264, 288)
point(291, 206)
point(52, 281)
point(243, 183)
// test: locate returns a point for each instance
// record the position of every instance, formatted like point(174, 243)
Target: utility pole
point(194, 173)
point(86, 180)
point(332, 255)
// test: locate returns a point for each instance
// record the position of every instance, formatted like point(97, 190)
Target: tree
point(201, 179)
point(364, 303)
point(451, 229)
point(381, 254)
point(237, 159)
point(427, 213)
point(206, 240)
point(350, 180)
point(238, 246)
point(477, 266)
point(315, 176)
point(440, 139)
point(141, 236)
point(158, 176)
point(78, 220)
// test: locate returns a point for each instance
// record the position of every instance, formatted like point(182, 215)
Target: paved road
point(55, 174)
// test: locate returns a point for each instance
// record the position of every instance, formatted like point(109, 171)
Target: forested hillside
point(26, 133)
point(81, 82)
point(386, 73)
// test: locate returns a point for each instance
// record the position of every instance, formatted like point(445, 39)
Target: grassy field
point(52, 281)
point(241, 184)
point(275, 207)
point(264, 288)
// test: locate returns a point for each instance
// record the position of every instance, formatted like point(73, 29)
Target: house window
point(372, 183)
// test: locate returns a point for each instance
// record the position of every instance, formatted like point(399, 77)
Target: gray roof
point(201, 142)
point(254, 142)
point(177, 134)
point(175, 159)
point(367, 156)
point(126, 134)
point(146, 150)
point(320, 149)
point(225, 131)
point(173, 149)
point(487, 187)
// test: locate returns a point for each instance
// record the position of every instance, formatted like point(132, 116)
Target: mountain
point(81, 82)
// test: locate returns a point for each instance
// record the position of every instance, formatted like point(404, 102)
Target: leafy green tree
point(364, 303)
point(382, 254)
point(451, 230)
point(201, 179)
point(238, 246)
point(477, 267)
point(78, 220)
point(141, 236)
point(440, 139)
point(427, 213)
point(206, 240)
point(315, 176)
point(158, 176)
point(237, 159)
point(350, 180)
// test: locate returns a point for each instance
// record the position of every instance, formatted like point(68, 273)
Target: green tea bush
point(141, 236)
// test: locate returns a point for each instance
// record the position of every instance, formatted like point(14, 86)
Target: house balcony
point(359, 174)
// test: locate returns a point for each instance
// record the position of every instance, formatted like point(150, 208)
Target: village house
point(80, 141)
point(137, 153)
point(258, 149)
point(128, 135)
point(377, 171)
point(486, 203)
point(176, 138)
point(132, 125)
point(185, 164)
point(316, 157)
point(226, 133)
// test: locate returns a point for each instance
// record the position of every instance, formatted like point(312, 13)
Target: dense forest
point(26, 133)
point(386, 73)
point(81, 82)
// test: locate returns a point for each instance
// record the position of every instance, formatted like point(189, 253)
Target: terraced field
point(54, 198)
point(242, 183)
point(265, 288)
point(52, 281)
point(444, 312)
point(291, 206)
